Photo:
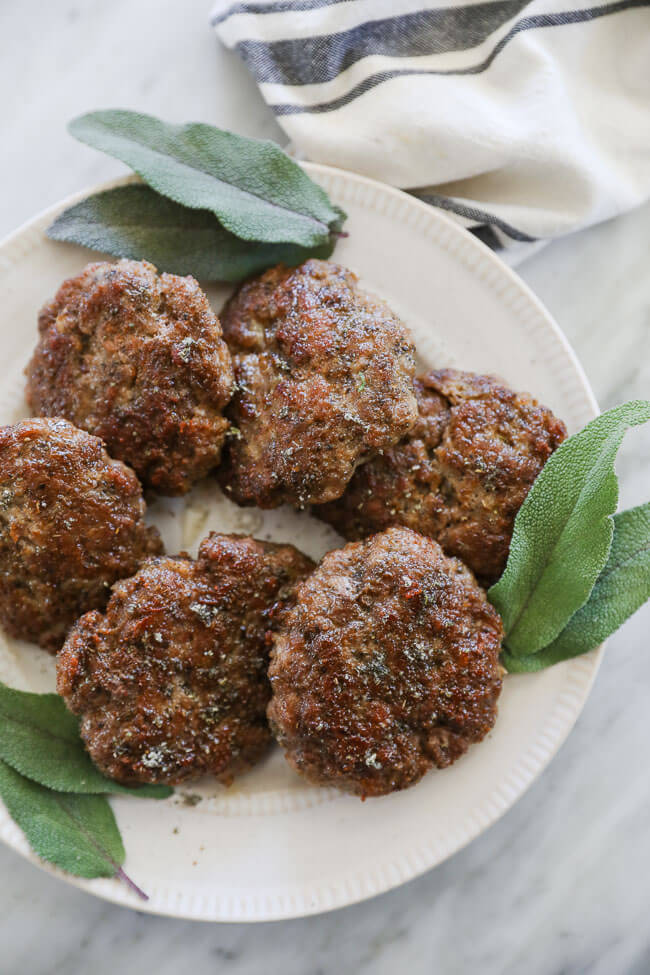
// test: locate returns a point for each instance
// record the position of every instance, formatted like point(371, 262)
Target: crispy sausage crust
point(325, 380)
point(171, 682)
point(462, 473)
point(71, 524)
point(386, 666)
point(139, 361)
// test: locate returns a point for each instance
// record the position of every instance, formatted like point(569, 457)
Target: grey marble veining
point(561, 885)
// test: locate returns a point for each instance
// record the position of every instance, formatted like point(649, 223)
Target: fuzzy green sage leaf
point(621, 588)
point(563, 533)
point(39, 738)
point(76, 833)
point(136, 222)
point(257, 192)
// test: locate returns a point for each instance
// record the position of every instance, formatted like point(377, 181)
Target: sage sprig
point(622, 587)
point(136, 222)
point(54, 792)
point(74, 832)
point(220, 206)
point(255, 190)
point(575, 572)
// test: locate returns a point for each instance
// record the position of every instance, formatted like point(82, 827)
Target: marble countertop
point(561, 884)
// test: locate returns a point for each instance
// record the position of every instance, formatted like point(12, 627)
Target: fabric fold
point(522, 121)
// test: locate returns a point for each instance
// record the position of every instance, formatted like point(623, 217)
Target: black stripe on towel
point(526, 23)
point(473, 213)
point(488, 236)
point(315, 60)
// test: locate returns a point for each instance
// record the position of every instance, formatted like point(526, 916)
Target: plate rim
point(111, 890)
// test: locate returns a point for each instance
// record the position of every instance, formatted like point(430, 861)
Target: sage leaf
point(77, 833)
point(621, 588)
point(136, 222)
point(252, 186)
point(39, 738)
point(563, 533)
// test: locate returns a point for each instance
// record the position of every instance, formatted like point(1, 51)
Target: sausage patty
point(324, 377)
point(71, 523)
point(460, 475)
point(139, 361)
point(386, 666)
point(171, 682)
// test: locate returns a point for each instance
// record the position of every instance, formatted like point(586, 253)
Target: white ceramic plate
point(271, 846)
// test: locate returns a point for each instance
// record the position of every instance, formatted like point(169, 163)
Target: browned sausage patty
point(386, 666)
point(139, 361)
point(71, 523)
point(325, 380)
point(462, 473)
point(171, 682)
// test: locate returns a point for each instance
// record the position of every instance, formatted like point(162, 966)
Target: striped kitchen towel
point(524, 120)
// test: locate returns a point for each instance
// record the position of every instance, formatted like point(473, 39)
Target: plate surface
point(271, 846)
